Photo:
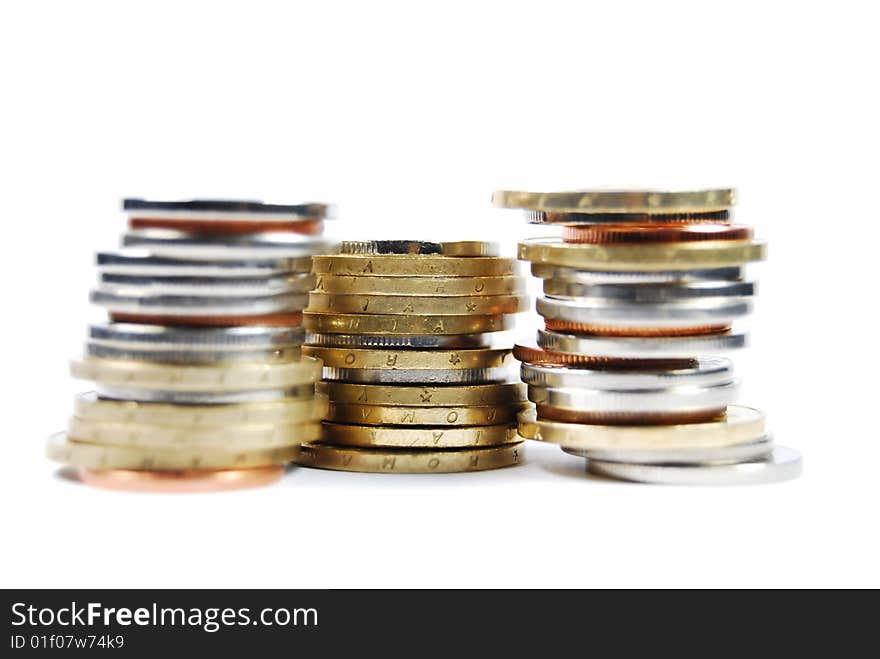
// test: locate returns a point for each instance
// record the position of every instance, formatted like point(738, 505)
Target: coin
point(215, 209)
point(354, 358)
point(417, 376)
point(756, 450)
point(677, 347)
point(617, 201)
point(173, 305)
point(508, 393)
point(228, 377)
point(676, 314)
point(413, 265)
point(534, 355)
point(226, 437)
point(642, 293)
point(485, 305)
point(339, 434)
point(564, 275)
point(633, 331)
point(400, 461)
point(439, 286)
point(92, 456)
point(118, 393)
point(175, 339)
point(642, 219)
point(742, 425)
point(782, 465)
point(286, 320)
point(170, 243)
point(706, 372)
point(638, 258)
point(412, 341)
point(396, 415)
point(458, 248)
point(272, 355)
point(282, 411)
point(131, 285)
point(333, 323)
point(128, 480)
point(309, 227)
point(605, 234)
point(137, 262)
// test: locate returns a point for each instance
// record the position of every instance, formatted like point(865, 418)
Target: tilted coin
point(707, 372)
point(175, 339)
point(225, 437)
point(197, 356)
point(134, 302)
point(339, 434)
point(412, 265)
point(137, 262)
point(228, 377)
point(759, 449)
point(641, 348)
point(781, 465)
point(334, 323)
point(637, 258)
point(120, 393)
point(93, 456)
point(300, 282)
point(168, 242)
point(681, 313)
point(400, 461)
point(742, 425)
point(564, 275)
point(617, 201)
point(354, 358)
point(90, 406)
point(425, 285)
point(390, 341)
point(396, 415)
point(219, 209)
point(650, 293)
point(508, 393)
point(216, 480)
point(485, 305)
point(417, 376)
point(457, 248)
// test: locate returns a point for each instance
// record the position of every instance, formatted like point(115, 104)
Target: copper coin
point(635, 218)
point(535, 355)
point(623, 234)
point(180, 481)
point(310, 227)
point(603, 330)
point(629, 418)
point(267, 320)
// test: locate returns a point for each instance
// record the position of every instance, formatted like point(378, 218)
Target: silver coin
point(168, 242)
point(756, 450)
point(688, 313)
point(211, 286)
point(191, 356)
point(201, 397)
point(474, 248)
point(423, 341)
point(160, 337)
point(180, 305)
point(593, 277)
point(226, 209)
point(684, 399)
point(782, 465)
point(709, 371)
point(674, 347)
point(136, 262)
point(649, 293)
point(417, 376)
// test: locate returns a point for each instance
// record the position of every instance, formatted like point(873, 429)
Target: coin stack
point(200, 384)
point(414, 386)
point(641, 293)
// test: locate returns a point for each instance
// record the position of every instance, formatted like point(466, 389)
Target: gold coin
point(221, 480)
point(405, 437)
point(742, 425)
point(233, 376)
point(286, 410)
point(511, 393)
point(408, 265)
point(639, 258)
point(334, 323)
point(455, 248)
point(484, 305)
point(617, 201)
point(397, 461)
point(226, 437)
point(439, 286)
point(94, 456)
point(409, 359)
point(396, 415)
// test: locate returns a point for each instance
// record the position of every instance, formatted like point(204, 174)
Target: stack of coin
point(641, 292)
point(200, 382)
point(414, 385)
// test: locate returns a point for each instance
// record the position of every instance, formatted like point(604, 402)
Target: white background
point(408, 116)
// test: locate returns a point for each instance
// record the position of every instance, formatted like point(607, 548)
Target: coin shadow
point(67, 474)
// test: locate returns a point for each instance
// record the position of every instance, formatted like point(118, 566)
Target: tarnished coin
point(484, 305)
point(399, 461)
point(338, 434)
point(354, 358)
point(335, 323)
point(509, 393)
point(617, 201)
point(427, 286)
point(457, 248)
point(396, 415)
point(417, 376)
point(413, 265)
